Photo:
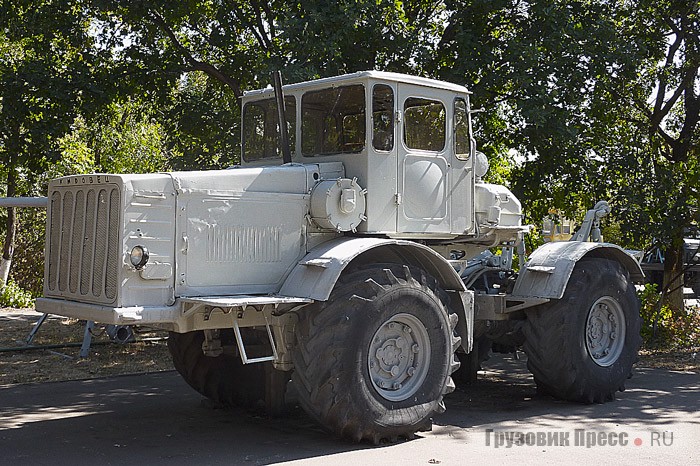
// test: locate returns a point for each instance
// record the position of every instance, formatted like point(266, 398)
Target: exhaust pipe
point(281, 117)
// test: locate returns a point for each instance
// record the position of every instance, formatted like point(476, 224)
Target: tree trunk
point(673, 278)
point(11, 230)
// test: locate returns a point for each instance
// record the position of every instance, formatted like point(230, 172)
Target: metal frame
point(241, 345)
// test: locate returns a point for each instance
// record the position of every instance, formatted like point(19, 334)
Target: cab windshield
point(260, 129)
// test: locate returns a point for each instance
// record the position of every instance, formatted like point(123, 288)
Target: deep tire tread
point(554, 336)
point(223, 379)
point(322, 342)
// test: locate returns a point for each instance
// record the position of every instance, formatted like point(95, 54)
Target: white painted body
point(250, 230)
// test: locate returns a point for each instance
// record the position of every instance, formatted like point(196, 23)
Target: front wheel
point(223, 379)
point(374, 361)
point(582, 346)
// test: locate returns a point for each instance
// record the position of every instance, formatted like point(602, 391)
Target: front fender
point(316, 274)
point(549, 268)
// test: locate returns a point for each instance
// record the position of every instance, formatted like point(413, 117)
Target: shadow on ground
point(159, 419)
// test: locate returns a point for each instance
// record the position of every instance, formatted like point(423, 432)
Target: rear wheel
point(470, 363)
point(223, 379)
point(374, 361)
point(582, 347)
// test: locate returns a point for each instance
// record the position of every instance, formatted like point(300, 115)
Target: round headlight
point(139, 257)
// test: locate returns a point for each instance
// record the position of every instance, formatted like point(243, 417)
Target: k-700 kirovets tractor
point(351, 252)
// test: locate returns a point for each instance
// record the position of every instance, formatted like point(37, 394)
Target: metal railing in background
point(38, 202)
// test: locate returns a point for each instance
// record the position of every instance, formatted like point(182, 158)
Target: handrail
point(39, 202)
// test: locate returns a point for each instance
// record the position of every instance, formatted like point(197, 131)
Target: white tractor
point(350, 254)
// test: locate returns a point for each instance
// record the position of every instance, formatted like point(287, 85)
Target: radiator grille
point(83, 258)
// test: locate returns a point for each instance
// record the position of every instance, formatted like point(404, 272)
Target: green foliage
point(201, 125)
point(12, 295)
point(613, 233)
point(27, 270)
point(663, 328)
point(48, 68)
point(123, 139)
point(534, 239)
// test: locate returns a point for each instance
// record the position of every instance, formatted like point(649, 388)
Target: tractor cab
point(406, 140)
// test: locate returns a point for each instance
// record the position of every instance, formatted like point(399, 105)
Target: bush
point(663, 328)
point(14, 296)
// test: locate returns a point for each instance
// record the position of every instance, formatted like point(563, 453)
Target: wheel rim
point(399, 356)
point(605, 331)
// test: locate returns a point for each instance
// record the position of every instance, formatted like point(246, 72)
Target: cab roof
point(363, 76)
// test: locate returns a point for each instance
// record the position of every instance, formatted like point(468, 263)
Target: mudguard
point(549, 268)
point(315, 275)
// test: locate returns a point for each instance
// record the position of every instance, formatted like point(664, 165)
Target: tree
point(46, 75)
point(667, 122)
point(533, 67)
point(201, 124)
point(239, 42)
point(123, 138)
point(600, 98)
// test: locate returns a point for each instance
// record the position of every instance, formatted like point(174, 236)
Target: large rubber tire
point(223, 379)
point(358, 339)
point(470, 363)
point(566, 339)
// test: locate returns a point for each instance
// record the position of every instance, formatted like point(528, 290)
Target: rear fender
point(549, 268)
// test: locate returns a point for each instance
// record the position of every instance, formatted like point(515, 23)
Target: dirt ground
point(149, 353)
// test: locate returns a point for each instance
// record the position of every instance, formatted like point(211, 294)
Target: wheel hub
point(398, 358)
point(605, 331)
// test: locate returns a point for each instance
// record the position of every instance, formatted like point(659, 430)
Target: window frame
point(462, 155)
point(291, 127)
point(339, 131)
point(406, 120)
point(392, 121)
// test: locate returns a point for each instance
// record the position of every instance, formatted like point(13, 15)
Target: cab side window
point(424, 124)
point(333, 121)
point(462, 141)
point(383, 117)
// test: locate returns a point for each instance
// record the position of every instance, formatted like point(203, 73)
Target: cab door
point(423, 161)
point(462, 169)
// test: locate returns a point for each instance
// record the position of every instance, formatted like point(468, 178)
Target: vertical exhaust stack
point(281, 117)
